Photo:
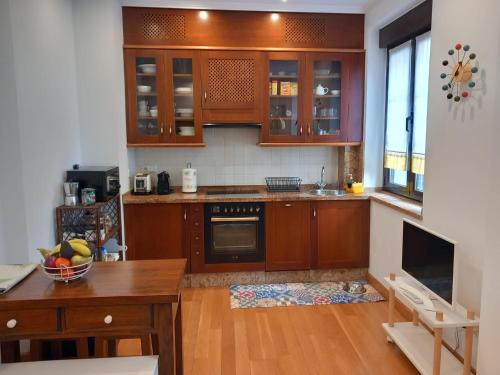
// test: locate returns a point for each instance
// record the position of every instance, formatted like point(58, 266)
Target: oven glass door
point(235, 239)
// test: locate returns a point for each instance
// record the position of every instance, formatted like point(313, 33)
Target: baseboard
point(407, 314)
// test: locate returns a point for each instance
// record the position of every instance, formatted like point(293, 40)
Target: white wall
point(232, 157)
point(101, 86)
point(460, 151)
point(13, 238)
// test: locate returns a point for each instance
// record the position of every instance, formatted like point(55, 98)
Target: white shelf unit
point(422, 348)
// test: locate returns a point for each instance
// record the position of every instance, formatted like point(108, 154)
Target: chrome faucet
point(322, 183)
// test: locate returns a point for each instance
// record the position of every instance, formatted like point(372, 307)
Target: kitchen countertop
point(177, 196)
point(396, 202)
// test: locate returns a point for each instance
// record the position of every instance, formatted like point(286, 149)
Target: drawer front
point(28, 322)
point(108, 317)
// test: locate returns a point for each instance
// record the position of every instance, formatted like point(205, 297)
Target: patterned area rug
point(290, 294)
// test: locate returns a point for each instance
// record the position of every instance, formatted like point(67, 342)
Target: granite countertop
point(177, 196)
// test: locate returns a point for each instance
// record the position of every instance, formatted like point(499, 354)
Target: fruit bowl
point(67, 274)
point(69, 260)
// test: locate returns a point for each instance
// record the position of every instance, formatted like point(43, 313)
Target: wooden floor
point(327, 339)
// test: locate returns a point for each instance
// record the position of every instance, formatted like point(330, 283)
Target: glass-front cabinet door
point(184, 124)
point(328, 106)
point(145, 96)
point(283, 106)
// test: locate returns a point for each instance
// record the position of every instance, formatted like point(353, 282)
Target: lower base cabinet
point(340, 234)
point(288, 245)
point(155, 231)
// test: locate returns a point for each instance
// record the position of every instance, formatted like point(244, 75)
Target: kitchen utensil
point(186, 130)
point(143, 105)
point(143, 89)
point(277, 184)
point(322, 72)
point(163, 183)
point(189, 184)
point(88, 196)
point(183, 90)
point(323, 112)
point(148, 68)
point(154, 113)
point(71, 188)
point(71, 200)
point(66, 274)
point(354, 287)
point(320, 90)
point(142, 183)
point(184, 112)
point(335, 92)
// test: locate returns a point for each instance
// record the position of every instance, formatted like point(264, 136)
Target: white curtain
point(422, 63)
point(398, 98)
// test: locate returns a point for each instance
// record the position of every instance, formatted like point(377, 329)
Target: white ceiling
point(327, 6)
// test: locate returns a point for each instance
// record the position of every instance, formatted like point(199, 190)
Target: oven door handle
point(233, 219)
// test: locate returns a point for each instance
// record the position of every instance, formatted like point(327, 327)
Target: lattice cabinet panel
point(231, 81)
point(305, 30)
point(155, 26)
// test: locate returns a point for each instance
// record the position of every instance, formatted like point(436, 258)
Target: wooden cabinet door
point(146, 96)
point(184, 97)
point(341, 234)
point(287, 236)
point(283, 93)
point(356, 97)
point(231, 86)
point(327, 103)
point(155, 231)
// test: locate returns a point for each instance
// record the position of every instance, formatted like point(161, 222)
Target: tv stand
point(417, 342)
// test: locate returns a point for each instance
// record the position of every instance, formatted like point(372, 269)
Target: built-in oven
point(234, 232)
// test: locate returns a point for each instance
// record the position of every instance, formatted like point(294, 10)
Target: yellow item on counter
point(358, 188)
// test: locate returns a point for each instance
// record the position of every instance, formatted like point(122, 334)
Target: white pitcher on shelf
point(320, 90)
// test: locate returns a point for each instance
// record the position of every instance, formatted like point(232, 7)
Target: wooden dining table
point(114, 299)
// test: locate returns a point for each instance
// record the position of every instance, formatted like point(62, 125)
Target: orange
point(63, 262)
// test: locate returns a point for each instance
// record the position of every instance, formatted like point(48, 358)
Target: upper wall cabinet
point(163, 98)
point(231, 89)
point(184, 27)
point(313, 98)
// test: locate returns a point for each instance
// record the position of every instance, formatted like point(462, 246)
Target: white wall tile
point(232, 157)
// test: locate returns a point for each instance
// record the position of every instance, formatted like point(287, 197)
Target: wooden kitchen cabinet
point(163, 98)
point(313, 98)
point(288, 245)
point(231, 87)
point(155, 231)
point(340, 233)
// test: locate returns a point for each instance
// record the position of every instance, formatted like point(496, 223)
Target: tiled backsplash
point(232, 157)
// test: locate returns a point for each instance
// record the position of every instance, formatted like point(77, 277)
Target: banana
point(78, 240)
point(78, 260)
point(81, 249)
point(47, 253)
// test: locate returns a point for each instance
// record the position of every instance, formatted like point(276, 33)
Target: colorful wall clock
point(462, 77)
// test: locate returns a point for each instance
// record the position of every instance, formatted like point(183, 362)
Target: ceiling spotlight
point(275, 16)
point(203, 14)
point(284, 1)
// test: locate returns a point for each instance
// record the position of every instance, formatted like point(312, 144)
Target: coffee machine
point(163, 187)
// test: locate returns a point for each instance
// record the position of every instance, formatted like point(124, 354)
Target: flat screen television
point(429, 259)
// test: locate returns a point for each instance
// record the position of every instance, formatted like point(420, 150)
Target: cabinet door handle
point(161, 130)
point(170, 130)
point(11, 323)
point(108, 319)
point(197, 253)
point(314, 212)
point(288, 205)
point(185, 215)
point(205, 95)
point(300, 131)
point(308, 130)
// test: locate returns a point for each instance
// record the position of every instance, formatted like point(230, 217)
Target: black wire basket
point(283, 184)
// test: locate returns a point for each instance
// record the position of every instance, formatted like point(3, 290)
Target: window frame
point(409, 191)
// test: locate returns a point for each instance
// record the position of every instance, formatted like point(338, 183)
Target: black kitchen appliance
point(163, 183)
point(234, 232)
point(105, 180)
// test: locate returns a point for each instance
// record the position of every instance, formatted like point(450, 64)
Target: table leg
point(11, 351)
point(165, 340)
point(438, 338)
point(178, 338)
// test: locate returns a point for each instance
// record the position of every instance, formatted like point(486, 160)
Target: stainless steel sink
point(326, 192)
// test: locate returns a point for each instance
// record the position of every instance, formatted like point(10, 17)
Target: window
point(406, 116)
